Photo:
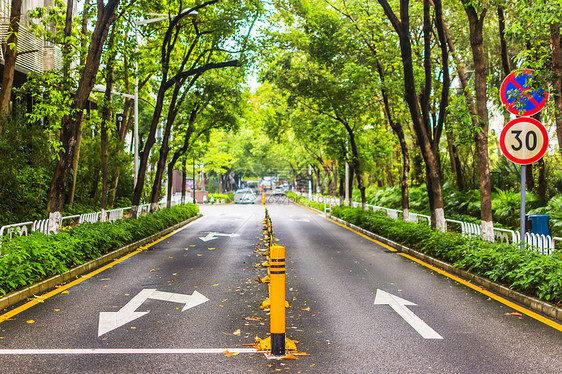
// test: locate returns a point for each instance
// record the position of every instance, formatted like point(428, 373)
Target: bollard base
point(265, 344)
point(278, 344)
point(269, 356)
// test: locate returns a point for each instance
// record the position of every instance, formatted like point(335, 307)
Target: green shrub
point(29, 259)
point(227, 198)
point(524, 270)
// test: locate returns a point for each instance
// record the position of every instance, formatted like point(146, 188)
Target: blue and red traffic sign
point(519, 94)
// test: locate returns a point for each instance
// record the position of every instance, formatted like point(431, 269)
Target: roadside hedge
point(302, 200)
point(523, 270)
point(28, 259)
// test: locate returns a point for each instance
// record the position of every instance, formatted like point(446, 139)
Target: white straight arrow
point(399, 306)
point(111, 320)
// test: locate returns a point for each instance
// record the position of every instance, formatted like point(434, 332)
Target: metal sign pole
point(523, 182)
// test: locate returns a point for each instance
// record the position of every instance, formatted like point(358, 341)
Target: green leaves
point(29, 259)
point(523, 270)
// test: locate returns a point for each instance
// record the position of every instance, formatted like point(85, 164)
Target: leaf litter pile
point(256, 322)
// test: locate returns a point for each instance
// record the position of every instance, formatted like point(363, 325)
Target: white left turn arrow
point(215, 235)
point(111, 320)
point(399, 306)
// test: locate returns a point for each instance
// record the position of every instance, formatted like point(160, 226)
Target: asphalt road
point(423, 322)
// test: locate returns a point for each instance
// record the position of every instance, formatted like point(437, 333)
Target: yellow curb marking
point(42, 298)
point(491, 295)
point(528, 312)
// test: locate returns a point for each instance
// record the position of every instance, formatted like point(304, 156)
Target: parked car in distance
point(278, 191)
point(244, 196)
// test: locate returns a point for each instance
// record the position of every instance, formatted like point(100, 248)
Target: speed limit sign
point(524, 140)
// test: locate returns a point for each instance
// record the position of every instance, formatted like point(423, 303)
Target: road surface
point(355, 307)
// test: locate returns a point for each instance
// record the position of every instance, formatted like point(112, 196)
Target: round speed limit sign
point(524, 140)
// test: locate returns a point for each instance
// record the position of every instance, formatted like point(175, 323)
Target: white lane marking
point(399, 306)
point(111, 320)
point(124, 351)
point(215, 235)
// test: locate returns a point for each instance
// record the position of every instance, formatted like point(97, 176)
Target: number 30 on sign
point(524, 140)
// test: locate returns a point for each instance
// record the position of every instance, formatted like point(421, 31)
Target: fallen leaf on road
point(306, 309)
point(253, 318)
point(30, 321)
point(212, 249)
point(57, 310)
point(228, 354)
point(290, 356)
point(237, 332)
point(214, 285)
point(514, 314)
point(300, 354)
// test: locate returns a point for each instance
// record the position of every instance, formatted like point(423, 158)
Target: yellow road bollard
point(277, 299)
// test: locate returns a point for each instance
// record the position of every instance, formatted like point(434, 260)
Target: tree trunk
point(84, 44)
point(402, 28)
point(318, 181)
point(456, 166)
point(342, 186)
point(180, 152)
point(70, 125)
point(127, 122)
point(397, 127)
point(106, 119)
point(481, 136)
point(10, 59)
point(529, 180)
point(503, 44)
point(542, 187)
point(183, 181)
point(94, 187)
point(461, 73)
point(356, 167)
point(165, 85)
point(556, 45)
point(75, 161)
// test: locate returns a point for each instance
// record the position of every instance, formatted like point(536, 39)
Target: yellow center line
point(40, 299)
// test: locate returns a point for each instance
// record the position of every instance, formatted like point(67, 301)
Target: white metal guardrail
point(114, 214)
point(545, 244)
point(25, 228)
point(90, 217)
